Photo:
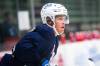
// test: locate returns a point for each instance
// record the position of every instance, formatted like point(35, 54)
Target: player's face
point(60, 23)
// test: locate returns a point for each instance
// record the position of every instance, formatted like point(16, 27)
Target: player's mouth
point(63, 27)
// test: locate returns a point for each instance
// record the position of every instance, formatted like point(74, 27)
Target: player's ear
point(49, 21)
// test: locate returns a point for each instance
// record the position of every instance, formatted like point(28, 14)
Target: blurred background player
point(7, 28)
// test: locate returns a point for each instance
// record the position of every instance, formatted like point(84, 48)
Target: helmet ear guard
point(49, 21)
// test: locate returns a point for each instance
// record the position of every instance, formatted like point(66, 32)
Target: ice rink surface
point(78, 53)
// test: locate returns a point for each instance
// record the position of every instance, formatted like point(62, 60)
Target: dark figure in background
point(8, 29)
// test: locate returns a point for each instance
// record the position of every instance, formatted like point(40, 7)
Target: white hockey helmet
point(53, 9)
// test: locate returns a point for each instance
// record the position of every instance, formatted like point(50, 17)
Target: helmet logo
point(48, 5)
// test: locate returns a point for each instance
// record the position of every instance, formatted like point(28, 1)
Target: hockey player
point(37, 47)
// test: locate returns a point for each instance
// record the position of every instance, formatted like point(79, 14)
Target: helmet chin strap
point(55, 30)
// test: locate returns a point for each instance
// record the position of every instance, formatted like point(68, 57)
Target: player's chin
point(62, 31)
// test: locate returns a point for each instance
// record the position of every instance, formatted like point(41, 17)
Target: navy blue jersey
point(35, 47)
